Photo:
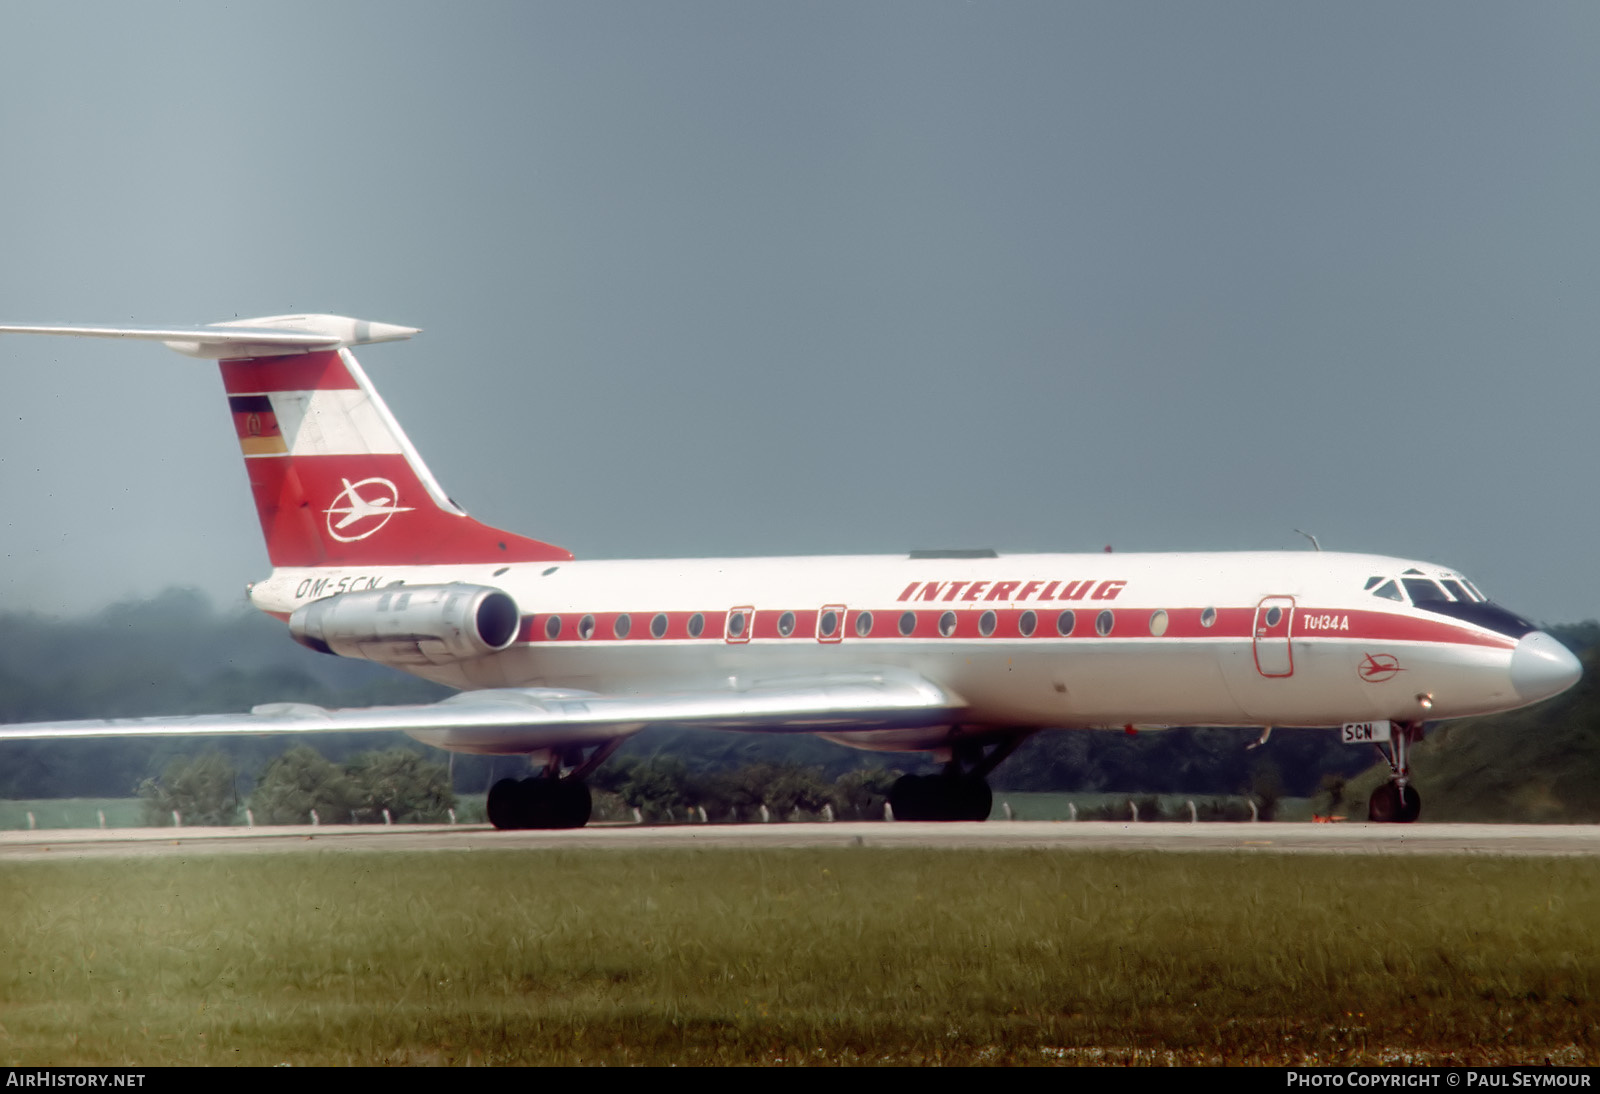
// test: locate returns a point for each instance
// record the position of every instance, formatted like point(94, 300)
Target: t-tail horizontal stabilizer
point(270, 336)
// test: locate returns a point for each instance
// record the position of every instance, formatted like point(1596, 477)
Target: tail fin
point(336, 481)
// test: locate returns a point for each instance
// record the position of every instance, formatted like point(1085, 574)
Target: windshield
point(1450, 595)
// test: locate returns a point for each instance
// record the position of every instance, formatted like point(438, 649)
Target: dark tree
point(296, 783)
point(201, 791)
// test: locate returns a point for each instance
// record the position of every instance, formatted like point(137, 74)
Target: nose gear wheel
point(1394, 804)
point(1397, 801)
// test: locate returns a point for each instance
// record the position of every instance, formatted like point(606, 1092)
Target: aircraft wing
point(510, 721)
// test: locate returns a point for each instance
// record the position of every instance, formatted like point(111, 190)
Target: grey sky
point(754, 278)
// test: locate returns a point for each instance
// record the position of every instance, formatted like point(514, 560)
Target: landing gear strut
point(1397, 801)
point(954, 794)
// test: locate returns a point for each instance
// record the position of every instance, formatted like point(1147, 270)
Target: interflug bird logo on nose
point(359, 514)
point(1379, 667)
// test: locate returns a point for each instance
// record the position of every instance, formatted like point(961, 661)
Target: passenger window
point(622, 626)
point(552, 627)
point(658, 625)
point(830, 623)
point(1208, 617)
point(986, 624)
point(697, 623)
point(1104, 622)
point(1065, 622)
point(908, 624)
point(736, 622)
point(1027, 624)
point(1158, 623)
point(947, 624)
point(586, 627)
point(786, 624)
point(863, 624)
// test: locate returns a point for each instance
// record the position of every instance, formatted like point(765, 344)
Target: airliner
point(962, 654)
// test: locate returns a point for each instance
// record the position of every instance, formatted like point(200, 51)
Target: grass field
point(794, 957)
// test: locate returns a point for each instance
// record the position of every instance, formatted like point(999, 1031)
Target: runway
point(1177, 838)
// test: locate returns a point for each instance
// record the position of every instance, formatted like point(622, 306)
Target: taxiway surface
point(1485, 839)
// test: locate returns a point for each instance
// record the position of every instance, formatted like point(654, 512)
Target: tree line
point(302, 787)
point(401, 786)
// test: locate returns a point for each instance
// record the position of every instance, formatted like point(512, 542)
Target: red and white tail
point(336, 482)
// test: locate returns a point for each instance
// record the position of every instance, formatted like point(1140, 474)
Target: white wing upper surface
point(508, 721)
point(269, 336)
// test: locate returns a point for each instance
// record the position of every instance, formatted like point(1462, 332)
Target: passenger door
point(1274, 618)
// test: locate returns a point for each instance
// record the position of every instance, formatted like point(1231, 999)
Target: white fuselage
point(1264, 638)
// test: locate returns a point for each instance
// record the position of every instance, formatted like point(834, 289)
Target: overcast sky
point(752, 278)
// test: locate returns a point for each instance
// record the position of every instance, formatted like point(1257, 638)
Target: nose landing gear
point(1397, 801)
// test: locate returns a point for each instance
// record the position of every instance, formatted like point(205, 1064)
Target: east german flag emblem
point(256, 425)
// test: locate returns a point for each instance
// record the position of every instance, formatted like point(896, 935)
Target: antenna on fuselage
point(1312, 538)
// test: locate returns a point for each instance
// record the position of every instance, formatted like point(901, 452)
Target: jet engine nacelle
point(409, 624)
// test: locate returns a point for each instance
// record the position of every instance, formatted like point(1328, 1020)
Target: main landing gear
point(539, 802)
point(954, 794)
point(550, 800)
point(1397, 801)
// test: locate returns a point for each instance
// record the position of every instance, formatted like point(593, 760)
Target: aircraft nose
point(1542, 667)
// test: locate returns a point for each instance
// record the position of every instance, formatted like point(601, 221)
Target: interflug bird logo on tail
point(361, 515)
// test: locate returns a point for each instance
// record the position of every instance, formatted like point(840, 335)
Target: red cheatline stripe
point(1127, 624)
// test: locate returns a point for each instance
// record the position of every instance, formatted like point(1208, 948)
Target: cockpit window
point(1463, 601)
point(1372, 581)
point(1482, 613)
point(1389, 591)
point(1421, 590)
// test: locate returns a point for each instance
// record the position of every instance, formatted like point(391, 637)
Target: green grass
point(847, 956)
